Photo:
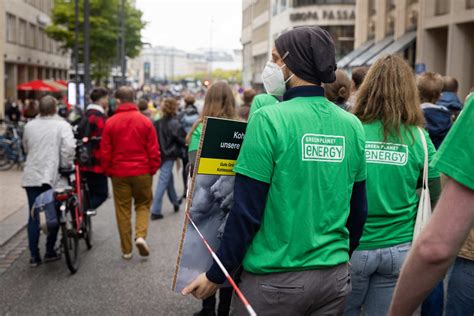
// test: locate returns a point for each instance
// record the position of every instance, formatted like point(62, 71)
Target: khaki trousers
point(125, 189)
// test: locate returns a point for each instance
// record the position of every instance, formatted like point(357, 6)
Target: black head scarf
point(310, 53)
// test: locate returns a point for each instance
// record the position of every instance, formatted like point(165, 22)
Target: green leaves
point(104, 19)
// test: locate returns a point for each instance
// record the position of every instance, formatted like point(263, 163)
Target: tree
point(104, 22)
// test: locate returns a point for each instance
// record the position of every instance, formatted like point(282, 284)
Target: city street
point(105, 283)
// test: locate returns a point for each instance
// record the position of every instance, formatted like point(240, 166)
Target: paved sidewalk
point(13, 204)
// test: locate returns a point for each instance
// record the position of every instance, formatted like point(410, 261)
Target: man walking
point(299, 196)
point(131, 156)
point(49, 142)
point(92, 127)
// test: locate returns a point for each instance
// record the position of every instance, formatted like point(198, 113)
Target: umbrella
point(63, 82)
point(37, 85)
point(56, 85)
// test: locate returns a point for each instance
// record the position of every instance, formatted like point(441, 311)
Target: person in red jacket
point(130, 156)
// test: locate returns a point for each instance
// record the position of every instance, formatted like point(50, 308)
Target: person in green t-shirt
point(299, 194)
point(392, 120)
point(453, 218)
point(261, 100)
point(219, 102)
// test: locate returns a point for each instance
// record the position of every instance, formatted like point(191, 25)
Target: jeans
point(165, 183)
point(33, 225)
point(374, 276)
point(434, 303)
point(461, 288)
point(98, 188)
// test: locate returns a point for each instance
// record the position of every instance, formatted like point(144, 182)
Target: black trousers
point(98, 188)
point(225, 297)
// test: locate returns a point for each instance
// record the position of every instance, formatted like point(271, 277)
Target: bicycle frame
point(78, 212)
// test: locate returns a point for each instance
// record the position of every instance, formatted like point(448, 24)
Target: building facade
point(264, 20)
point(160, 64)
point(446, 40)
point(27, 52)
point(383, 27)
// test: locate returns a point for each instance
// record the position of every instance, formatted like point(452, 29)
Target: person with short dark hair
point(339, 91)
point(438, 118)
point(358, 76)
point(449, 96)
point(244, 110)
point(49, 143)
point(92, 126)
point(130, 155)
point(171, 137)
point(143, 108)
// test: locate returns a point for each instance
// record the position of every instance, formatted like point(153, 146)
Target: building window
point(22, 33)
point(442, 7)
point(31, 36)
point(275, 7)
point(469, 4)
point(11, 28)
point(372, 10)
point(390, 5)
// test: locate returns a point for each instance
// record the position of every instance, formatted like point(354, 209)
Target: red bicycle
point(74, 214)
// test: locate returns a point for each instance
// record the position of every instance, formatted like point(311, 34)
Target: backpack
point(44, 210)
point(84, 149)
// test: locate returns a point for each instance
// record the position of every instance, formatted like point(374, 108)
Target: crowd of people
point(329, 174)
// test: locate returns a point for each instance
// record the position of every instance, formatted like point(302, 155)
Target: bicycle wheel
point(88, 231)
point(87, 224)
point(5, 162)
point(70, 243)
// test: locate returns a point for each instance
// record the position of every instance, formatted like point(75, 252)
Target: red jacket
point(129, 145)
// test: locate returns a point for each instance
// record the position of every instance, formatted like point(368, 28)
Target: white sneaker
point(142, 247)
point(127, 256)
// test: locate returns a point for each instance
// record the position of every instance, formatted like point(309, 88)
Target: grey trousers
point(312, 292)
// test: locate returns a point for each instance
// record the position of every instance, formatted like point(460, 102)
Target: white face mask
point(274, 80)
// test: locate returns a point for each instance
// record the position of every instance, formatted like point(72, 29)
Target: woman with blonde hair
point(219, 102)
point(389, 107)
point(171, 139)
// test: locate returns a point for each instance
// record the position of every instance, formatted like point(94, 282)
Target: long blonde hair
point(219, 102)
point(389, 94)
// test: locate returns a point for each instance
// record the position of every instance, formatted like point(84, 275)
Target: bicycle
point(11, 150)
point(74, 214)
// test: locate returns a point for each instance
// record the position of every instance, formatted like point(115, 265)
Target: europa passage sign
point(221, 146)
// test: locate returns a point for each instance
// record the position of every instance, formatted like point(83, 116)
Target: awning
point(63, 82)
point(371, 52)
point(399, 45)
point(37, 85)
point(344, 61)
point(56, 85)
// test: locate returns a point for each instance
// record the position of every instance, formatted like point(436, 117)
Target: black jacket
point(171, 137)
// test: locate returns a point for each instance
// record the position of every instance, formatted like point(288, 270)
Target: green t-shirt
point(393, 170)
point(195, 138)
point(310, 152)
point(261, 100)
point(455, 156)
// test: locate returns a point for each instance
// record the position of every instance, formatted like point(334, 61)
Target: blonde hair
point(219, 102)
point(389, 94)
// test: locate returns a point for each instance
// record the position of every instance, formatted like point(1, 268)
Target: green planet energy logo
point(386, 153)
point(325, 148)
